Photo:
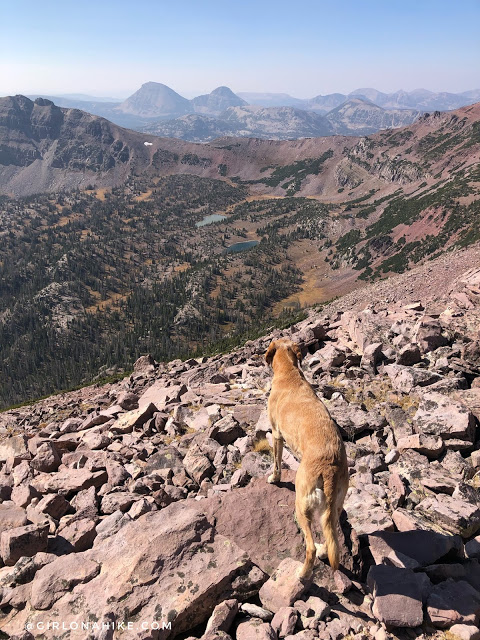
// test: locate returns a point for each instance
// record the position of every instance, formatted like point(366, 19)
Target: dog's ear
point(297, 351)
point(271, 352)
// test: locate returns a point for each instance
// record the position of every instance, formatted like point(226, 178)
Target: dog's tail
point(330, 521)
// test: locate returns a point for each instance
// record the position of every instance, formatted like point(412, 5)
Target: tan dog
point(300, 419)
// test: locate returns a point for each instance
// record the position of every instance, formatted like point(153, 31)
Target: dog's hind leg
point(306, 501)
point(276, 476)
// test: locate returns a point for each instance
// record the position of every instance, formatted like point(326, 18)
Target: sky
point(304, 48)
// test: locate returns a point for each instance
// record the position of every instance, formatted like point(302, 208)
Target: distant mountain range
point(158, 109)
point(353, 117)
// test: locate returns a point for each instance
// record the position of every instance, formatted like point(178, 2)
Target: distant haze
point(310, 48)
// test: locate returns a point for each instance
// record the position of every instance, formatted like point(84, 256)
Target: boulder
point(398, 595)
point(405, 379)
point(430, 446)
point(47, 457)
point(222, 616)
point(11, 516)
point(23, 541)
point(269, 533)
point(54, 505)
point(255, 629)
point(409, 355)
point(67, 481)
point(13, 447)
point(453, 602)
point(226, 430)
point(79, 534)
point(465, 632)
point(284, 621)
point(452, 514)
point(439, 415)
point(254, 611)
point(428, 334)
point(412, 549)
point(284, 586)
point(59, 577)
point(160, 395)
point(135, 418)
point(371, 356)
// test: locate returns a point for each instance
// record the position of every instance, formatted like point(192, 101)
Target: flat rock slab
point(68, 481)
point(439, 415)
point(452, 514)
point(398, 595)
point(412, 549)
point(160, 395)
point(166, 565)
point(260, 519)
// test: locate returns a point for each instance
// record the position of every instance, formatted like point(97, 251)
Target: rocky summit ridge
point(146, 500)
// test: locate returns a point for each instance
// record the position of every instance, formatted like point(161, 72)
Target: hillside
point(118, 497)
point(39, 141)
point(321, 216)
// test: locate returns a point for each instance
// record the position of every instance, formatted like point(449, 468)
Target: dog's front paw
point(321, 551)
point(272, 479)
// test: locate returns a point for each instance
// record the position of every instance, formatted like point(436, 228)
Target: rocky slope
point(145, 501)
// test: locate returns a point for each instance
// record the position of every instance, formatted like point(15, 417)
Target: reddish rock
point(453, 602)
point(135, 418)
point(439, 415)
point(119, 500)
point(284, 586)
point(11, 516)
point(269, 534)
point(23, 494)
point(428, 334)
point(160, 395)
point(69, 481)
point(23, 541)
point(54, 505)
point(412, 549)
point(255, 629)
point(13, 447)
point(59, 577)
point(452, 514)
point(226, 430)
point(173, 557)
point(80, 533)
point(398, 596)
point(222, 616)
point(430, 446)
point(465, 632)
point(284, 621)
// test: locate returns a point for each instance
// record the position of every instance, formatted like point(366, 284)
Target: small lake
point(213, 217)
point(241, 246)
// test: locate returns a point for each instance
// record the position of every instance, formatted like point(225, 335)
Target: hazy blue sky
point(305, 48)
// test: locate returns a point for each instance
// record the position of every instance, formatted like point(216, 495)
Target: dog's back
point(302, 420)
